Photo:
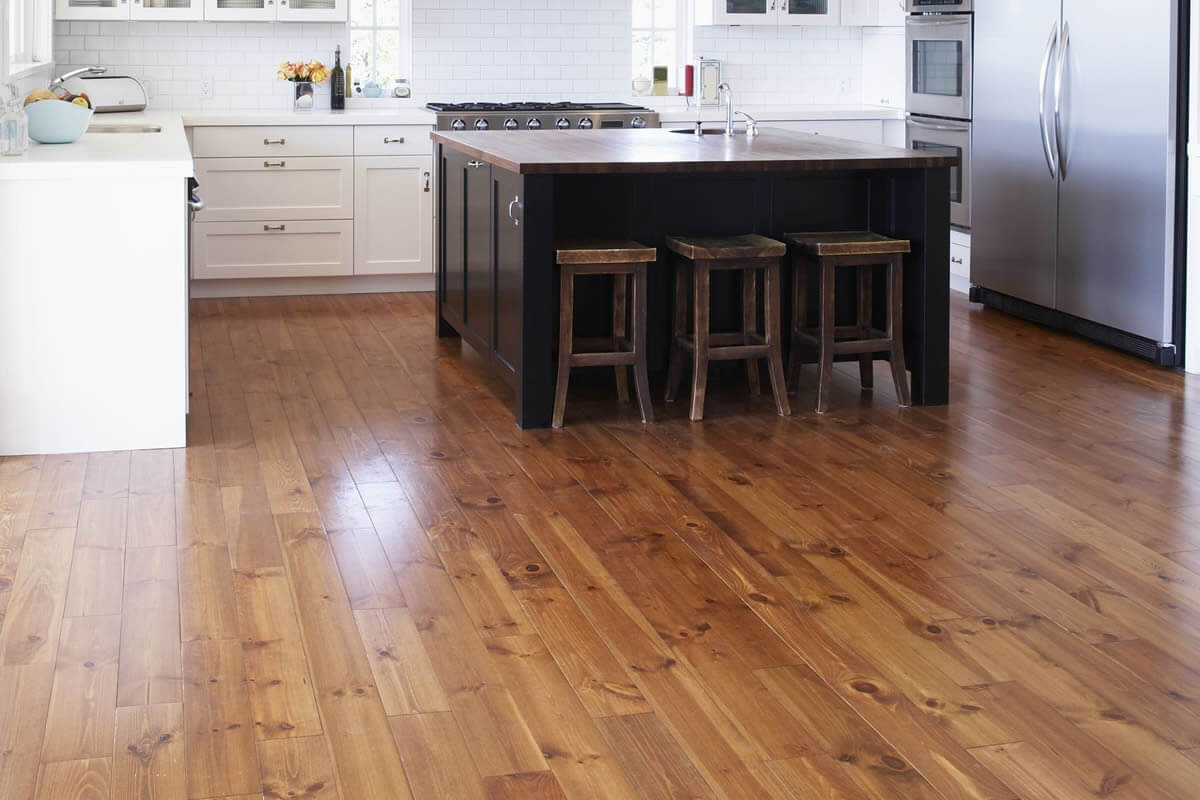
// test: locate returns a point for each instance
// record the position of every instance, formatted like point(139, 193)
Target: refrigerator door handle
point(1060, 74)
point(1047, 145)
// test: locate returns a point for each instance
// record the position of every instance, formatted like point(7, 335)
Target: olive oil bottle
point(337, 82)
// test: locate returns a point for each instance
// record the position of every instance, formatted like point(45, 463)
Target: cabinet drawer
point(273, 140)
point(239, 189)
point(960, 260)
point(272, 249)
point(392, 230)
point(392, 140)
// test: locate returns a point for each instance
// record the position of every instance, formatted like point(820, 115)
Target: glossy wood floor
point(361, 581)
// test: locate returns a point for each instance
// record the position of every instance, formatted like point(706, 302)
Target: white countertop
point(365, 116)
point(117, 155)
point(781, 113)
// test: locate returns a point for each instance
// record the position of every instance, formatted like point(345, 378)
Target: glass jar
point(14, 129)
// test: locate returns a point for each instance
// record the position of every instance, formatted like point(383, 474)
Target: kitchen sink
point(129, 127)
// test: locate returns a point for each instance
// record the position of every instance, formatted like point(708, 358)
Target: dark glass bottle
point(337, 82)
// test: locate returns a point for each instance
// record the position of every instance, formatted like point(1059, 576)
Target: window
point(661, 37)
point(26, 39)
point(380, 42)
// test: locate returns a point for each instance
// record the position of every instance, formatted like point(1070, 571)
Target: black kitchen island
point(505, 198)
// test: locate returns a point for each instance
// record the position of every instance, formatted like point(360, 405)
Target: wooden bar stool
point(828, 252)
point(701, 255)
point(621, 260)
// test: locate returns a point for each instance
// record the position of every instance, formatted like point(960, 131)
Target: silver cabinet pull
point(393, 140)
point(515, 203)
point(475, 164)
point(274, 163)
point(1047, 150)
point(425, 175)
point(275, 141)
point(1060, 74)
point(274, 227)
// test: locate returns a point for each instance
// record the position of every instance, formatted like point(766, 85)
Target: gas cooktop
point(561, 106)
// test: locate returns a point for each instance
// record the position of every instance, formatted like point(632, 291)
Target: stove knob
point(637, 122)
point(458, 125)
point(586, 123)
point(481, 124)
point(533, 123)
point(510, 124)
point(562, 123)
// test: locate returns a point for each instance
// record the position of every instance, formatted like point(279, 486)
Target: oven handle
point(1058, 98)
point(931, 126)
point(929, 19)
point(1047, 145)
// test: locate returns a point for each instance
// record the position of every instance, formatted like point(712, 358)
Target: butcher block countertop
point(664, 151)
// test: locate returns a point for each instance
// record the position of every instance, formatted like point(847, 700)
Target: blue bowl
point(57, 121)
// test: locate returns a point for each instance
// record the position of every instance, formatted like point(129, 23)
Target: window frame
point(36, 37)
point(684, 32)
point(404, 29)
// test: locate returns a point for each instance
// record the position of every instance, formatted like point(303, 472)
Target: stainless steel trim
point(274, 227)
point(393, 140)
point(1045, 73)
point(942, 126)
point(1058, 96)
point(274, 163)
point(915, 7)
point(275, 141)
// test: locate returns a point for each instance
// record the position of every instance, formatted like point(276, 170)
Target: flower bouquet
point(303, 75)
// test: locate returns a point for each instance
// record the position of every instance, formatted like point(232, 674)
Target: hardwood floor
point(361, 581)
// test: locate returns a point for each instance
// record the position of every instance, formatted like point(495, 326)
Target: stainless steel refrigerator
point(1075, 158)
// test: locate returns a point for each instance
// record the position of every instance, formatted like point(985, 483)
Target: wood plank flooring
point(360, 581)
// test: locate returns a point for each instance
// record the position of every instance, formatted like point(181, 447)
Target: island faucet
point(725, 90)
point(61, 79)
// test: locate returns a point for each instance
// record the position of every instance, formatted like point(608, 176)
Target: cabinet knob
point(425, 175)
point(274, 227)
point(280, 140)
point(393, 140)
point(274, 163)
point(475, 164)
point(514, 210)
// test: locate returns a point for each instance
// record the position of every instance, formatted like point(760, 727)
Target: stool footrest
point(602, 359)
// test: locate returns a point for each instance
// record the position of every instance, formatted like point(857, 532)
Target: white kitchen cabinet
point(768, 12)
point(276, 188)
point(276, 10)
point(273, 141)
point(393, 198)
point(874, 12)
point(860, 130)
point(291, 249)
point(181, 10)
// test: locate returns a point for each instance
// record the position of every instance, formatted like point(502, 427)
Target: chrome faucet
point(725, 90)
point(751, 123)
point(61, 79)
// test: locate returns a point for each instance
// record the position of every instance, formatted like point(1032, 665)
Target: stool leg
point(772, 295)
point(675, 364)
point(896, 327)
point(700, 294)
point(566, 321)
point(750, 324)
point(618, 331)
point(866, 361)
point(799, 320)
point(825, 355)
point(641, 379)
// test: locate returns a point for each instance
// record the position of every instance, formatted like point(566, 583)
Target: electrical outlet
point(206, 87)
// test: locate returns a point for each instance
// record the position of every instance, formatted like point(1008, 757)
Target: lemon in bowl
point(57, 121)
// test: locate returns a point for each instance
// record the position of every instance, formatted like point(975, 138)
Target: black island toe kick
point(498, 224)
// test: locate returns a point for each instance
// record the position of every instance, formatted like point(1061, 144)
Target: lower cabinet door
point(393, 199)
point(285, 249)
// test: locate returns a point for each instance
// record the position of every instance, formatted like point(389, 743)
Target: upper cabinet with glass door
point(276, 10)
point(129, 9)
point(769, 12)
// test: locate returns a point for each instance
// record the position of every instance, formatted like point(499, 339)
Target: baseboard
point(286, 287)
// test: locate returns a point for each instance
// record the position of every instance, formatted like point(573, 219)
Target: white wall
point(468, 49)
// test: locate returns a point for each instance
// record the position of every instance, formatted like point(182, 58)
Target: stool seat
point(604, 251)
point(847, 243)
point(714, 248)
